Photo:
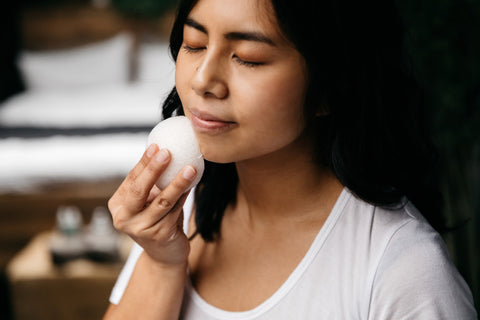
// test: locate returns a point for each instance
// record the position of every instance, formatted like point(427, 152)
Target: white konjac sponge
point(176, 134)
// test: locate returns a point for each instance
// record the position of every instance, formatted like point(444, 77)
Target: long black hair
point(363, 107)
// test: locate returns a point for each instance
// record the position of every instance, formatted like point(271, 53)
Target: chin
point(217, 155)
point(216, 158)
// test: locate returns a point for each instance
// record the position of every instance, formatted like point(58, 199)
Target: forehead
point(232, 15)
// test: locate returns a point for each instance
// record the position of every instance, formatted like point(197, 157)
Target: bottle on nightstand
point(66, 242)
point(100, 237)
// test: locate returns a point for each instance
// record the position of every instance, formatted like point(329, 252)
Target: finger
point(166, 227)
point(146, 157)
point(173, 214)
point(153, 193)
point(146, 220)
point(170, 197)
point(138, 187)
point(119, 196)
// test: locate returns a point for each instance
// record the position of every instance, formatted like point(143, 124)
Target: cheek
point(278, 100)
point(182, 76)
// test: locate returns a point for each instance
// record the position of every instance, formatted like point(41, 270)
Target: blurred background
point(81, 84)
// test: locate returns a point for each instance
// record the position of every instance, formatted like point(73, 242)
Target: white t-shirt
point(365, 263)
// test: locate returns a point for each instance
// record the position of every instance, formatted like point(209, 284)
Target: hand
point(152, 217)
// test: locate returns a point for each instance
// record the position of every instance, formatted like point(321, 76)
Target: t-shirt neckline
point(294, 277)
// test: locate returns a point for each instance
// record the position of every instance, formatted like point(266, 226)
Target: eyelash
point(189, 49)
point(250, 64)
point(247, 63)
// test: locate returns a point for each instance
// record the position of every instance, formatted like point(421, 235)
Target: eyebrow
point(247, 35)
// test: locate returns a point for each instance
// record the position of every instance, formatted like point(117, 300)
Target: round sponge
point(176, 134)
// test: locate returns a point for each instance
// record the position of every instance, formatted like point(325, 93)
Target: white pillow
point(105, 62)
point(132, 104)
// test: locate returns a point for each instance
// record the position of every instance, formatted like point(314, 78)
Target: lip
point(207, 123)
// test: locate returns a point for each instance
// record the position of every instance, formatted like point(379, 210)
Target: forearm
point(154, 291)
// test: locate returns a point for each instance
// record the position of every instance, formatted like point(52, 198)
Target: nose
point(209, 78)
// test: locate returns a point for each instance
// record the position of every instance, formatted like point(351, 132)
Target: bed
point(73, 135)
point(81, 118)
point(81, 124)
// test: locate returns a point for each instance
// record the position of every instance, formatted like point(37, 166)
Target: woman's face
point(241, 83)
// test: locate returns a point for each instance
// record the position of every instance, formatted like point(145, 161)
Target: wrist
point(155, 290)
point(172, 269)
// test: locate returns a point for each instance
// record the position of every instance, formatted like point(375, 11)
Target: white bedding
point(72, 102)
point(26, 164)
point(136, 104)
point(111, 102)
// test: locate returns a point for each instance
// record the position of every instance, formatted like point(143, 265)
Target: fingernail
point(151, 150)
point(162, 156)
point(189, 173)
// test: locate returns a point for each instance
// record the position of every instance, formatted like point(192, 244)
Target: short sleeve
point(136, 251)
point(125, 274)
point(417, 280)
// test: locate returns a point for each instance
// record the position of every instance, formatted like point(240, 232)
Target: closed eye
point(189, 49)
point(246, 63)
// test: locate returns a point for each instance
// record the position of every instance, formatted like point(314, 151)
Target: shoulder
point(379, 228)
point(412, 243)
point(391, 232)
point(415, 277)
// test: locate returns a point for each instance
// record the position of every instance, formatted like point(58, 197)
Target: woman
point(306, 114)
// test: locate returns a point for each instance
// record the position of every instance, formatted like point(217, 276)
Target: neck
point(286, 184)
